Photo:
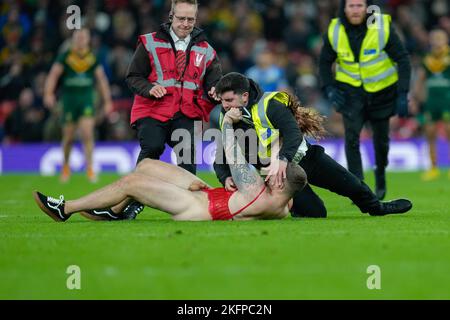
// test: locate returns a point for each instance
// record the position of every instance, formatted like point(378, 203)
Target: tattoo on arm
point(244, 174)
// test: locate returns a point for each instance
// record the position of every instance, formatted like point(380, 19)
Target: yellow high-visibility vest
point(375, 69)
point(267, 134)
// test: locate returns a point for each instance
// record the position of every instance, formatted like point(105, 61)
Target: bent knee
point(144, 164)
point(128, 180)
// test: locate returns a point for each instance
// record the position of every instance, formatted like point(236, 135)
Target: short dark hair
point(295, 177)
point(233, 81)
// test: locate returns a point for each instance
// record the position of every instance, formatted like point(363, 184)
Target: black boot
point(392, 207)
point(132, 210)
point(380, 183)
point(101, 214)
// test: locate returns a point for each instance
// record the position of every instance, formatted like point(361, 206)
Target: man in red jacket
point(172, 74)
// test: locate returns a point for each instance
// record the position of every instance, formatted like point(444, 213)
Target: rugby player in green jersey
point(78, 69)
point(432, 89)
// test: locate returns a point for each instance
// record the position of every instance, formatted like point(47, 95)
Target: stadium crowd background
point(276, 42)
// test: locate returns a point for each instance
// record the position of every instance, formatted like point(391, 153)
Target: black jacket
point(281, 118)
point(394, 48)
point(140, 67)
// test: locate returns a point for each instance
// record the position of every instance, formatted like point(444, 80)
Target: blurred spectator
point(267, 74)
point(274, 20)
point(26, 122)
point(297, 34)
point(119, 58)
point(124, 27)
point(12, 81)
point(241, 55)
point(15, 22)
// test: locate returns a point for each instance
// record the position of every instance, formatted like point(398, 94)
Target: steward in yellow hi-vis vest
point(266, 133)
point(375, 70)
point(271, 117)
point(370, 81)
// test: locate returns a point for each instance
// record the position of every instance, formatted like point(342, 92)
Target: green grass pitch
point(154, 257)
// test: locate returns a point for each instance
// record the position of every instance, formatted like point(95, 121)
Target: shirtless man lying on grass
point(176, 191)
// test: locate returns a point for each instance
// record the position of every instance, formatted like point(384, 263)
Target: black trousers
point(324, 172)
point(380, 129)
point(154, 134)
point(359, 110)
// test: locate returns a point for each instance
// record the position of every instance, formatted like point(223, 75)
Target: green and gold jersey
point(437, 82)
point(78, 84)
point(79, 72)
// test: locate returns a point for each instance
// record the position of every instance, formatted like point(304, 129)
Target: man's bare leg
point(86, 126)
point(181, 204)
point(431, 135)
point(150, 191)
point(67, 141)
point(168, 173)
point(105, 197)
point(118, 208)
point(165, 172)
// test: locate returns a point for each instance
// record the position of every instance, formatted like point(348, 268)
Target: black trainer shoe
point(101, 214)
point(380, 184)
point(132, 210)
point(51, 206)
point(392, 207)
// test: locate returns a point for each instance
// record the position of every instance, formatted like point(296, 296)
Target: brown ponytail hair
point(309, 120)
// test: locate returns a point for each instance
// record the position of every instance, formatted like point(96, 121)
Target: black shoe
point(51, 206)
point(392, 207)
point(132, 210)
point(101, 214)
point(380, 184)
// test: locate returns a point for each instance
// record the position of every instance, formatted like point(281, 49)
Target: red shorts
point(218, 203)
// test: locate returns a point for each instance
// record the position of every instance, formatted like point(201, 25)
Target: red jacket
point(185, 92)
